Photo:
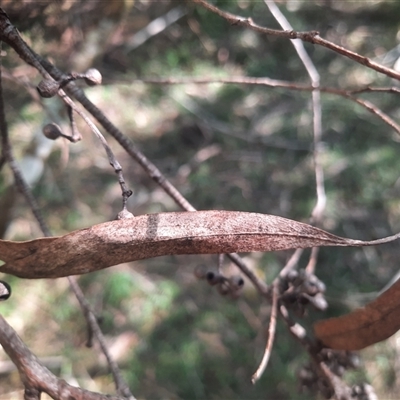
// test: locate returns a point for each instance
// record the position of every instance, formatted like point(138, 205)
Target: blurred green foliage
point(187, 341)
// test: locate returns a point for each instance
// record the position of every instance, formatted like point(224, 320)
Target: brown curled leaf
point(365, 326)
point(152, 235)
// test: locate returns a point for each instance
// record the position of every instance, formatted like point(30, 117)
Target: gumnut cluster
point(49, 87)
point(338, 362)
point(299, 289)
point(232, 285)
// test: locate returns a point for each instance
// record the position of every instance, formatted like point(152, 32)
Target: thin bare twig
point(271, 334)
point(244, 80)
point(312, 261)
point(123, 388)
point(291, 263)
point(319, 207)
point(320, 191)
point(339, 387)
point(220, 262)
point(321, 198)
point(297, 44)
point(75, 134)
point(249, 80)
point(371, 89)
point(126, 193)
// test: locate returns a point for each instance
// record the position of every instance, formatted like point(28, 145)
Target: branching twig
point(24, 189)
point(75, 134)
point(122, 387)
point(29, 56)
point(338, 386)
point(320, 191)
point(26, 362)
point(312, 261)
point(35, 376)
point(10, 35)
point(145, 163)
point(33, 59)
point(321, 198)
point(291, 263)
point(126, 193)
point(11, 341)
point(319, 207)
point(310, 37)
point(244, 80)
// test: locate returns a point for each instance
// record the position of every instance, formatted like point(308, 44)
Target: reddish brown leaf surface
point(371, 324)
point(152, 235)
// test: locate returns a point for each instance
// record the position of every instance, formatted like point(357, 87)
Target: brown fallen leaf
point(365, 326)
point(152, 235)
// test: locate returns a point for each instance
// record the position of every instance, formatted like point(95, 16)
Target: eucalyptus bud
point(125, 214)
point(200, 271)
point(319, 302)
point(48, 88)
point(5, 291)
point(236, 282)
point(93, 77)
point(214, 278)
point(223, 288)
point(52, 131)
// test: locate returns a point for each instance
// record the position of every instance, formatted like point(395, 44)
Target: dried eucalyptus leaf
point(152, 235)
point(365, 326)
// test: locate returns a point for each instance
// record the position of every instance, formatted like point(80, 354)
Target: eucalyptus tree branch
point(11, 36)
point(310, 37)
point(50, 86)
point(11, 341)
point(73, 90)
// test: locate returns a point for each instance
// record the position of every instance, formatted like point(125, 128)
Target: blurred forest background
point(225, 146)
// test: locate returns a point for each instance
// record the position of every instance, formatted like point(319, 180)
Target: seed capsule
point(52, 131)
point(48, 88)
point(93, 77)
point(5, 291)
